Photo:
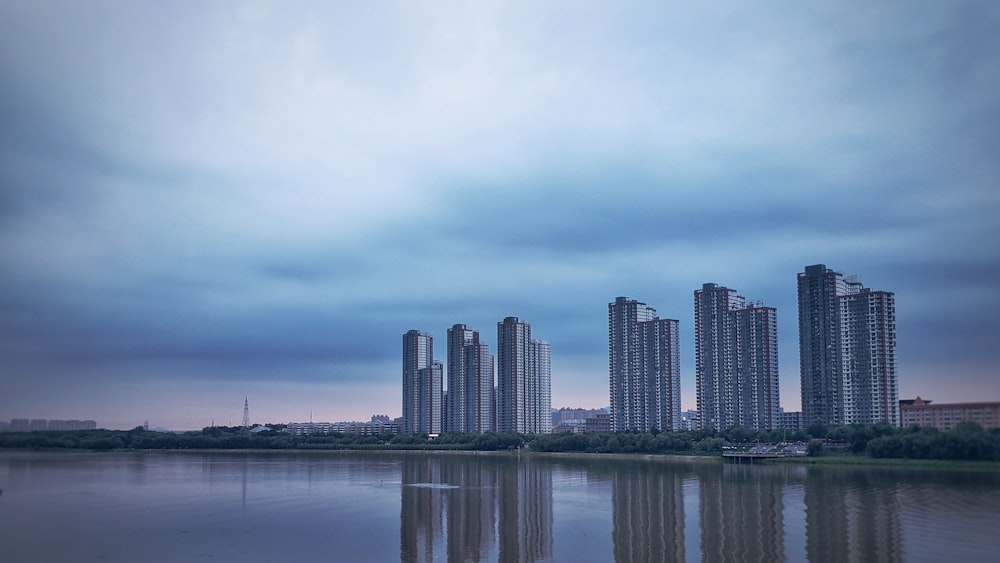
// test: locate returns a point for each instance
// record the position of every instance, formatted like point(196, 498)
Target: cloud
point(252, 193)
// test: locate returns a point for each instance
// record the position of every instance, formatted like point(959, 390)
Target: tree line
point(968, 441)
point(239, 438)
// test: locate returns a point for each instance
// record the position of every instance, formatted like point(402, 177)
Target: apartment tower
point(422, 381)
point(644, 368)
point(524, 394)
point(847, 350)
point(470, 382)
point(736, 360)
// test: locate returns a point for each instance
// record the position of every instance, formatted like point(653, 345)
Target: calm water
point(169, 506)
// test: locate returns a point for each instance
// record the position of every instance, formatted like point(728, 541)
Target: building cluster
point(476, 392)
point(847, 344)
point(847, 350)
point(40, 424)
point(644, 365)
point(736, 359)
point(575, 420)
point(379, 424)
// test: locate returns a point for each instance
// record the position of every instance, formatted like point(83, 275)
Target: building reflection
point(852, 516)
point(648, 514)
point(471, 510)
point(421, 508)
point(466, 508)
point(741, 513)
point(525, 511)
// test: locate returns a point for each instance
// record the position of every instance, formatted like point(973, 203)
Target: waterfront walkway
point(764, 451)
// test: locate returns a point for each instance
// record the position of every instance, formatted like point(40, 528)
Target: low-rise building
point(945, 416)
point(40, 424)
point(380, 424)
point(690, 420)
point(601, 422)
point(790, 420)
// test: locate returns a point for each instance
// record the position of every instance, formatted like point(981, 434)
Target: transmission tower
point(246, 412)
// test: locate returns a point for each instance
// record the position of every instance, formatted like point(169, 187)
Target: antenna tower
point(246, 412)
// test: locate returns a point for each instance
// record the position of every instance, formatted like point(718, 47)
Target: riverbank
point(673, 458)
point(836, 460)
point(524, 452)
point(906, 463)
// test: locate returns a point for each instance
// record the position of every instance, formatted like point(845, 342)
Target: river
point(357, 507)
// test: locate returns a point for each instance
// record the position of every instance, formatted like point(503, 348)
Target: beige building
point(945, 416)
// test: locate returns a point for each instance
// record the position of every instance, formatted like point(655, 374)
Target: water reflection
point(647, 514)
point(482, 509)
point(741, 513)
point(853, 516)
point(331, 506)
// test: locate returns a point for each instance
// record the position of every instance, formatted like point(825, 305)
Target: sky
point(204, 202)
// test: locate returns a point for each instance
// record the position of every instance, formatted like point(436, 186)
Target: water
point(247, 507)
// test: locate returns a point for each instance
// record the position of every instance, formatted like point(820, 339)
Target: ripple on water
point(431, 485)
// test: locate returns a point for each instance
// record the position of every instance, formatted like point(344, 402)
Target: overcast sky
point(205, 201)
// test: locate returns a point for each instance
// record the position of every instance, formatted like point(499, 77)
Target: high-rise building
point(736, 360)
point(819, 344)
point(470, 381)
point(847, 350)
point(541, 366)
point(644, 368)
point(870, 384)
point(422, 381)
point(524, 394)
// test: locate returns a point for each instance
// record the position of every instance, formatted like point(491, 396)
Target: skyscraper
point(644, 368)
point(871, 387)
point(422, 380)
point(541, 365)
point(470, 381)
point(847, 350)
point(819, 344)
point(523, 380)
point(736, 360)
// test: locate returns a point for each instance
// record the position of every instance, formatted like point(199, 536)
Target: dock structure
point(764, 451)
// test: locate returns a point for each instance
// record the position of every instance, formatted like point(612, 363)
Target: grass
point(890, 462)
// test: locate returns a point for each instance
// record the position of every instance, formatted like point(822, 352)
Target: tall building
point(847, 350)
point(736, 360)
point(819, 344)
point(524, 396)
point(871, 386)
point(470, 381)
point(644, 368)
point(541, 366)
point(422, 381)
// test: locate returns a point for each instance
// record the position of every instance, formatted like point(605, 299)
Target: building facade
point(41, 424)
point(790, 420)
point(847, 350)
point(470, 382)
point(736, 360)
point(524, 396)
point(422, 384)
point(644, 368)
point(946, 416)
point(868, 364)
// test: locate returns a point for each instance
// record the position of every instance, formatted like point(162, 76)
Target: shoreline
point(892, 462)
point(826, 461)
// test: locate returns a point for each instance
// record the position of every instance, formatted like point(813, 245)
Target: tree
point(817, 430)
point(814, 448)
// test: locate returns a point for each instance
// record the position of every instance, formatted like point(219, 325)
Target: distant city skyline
point(200, 203)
